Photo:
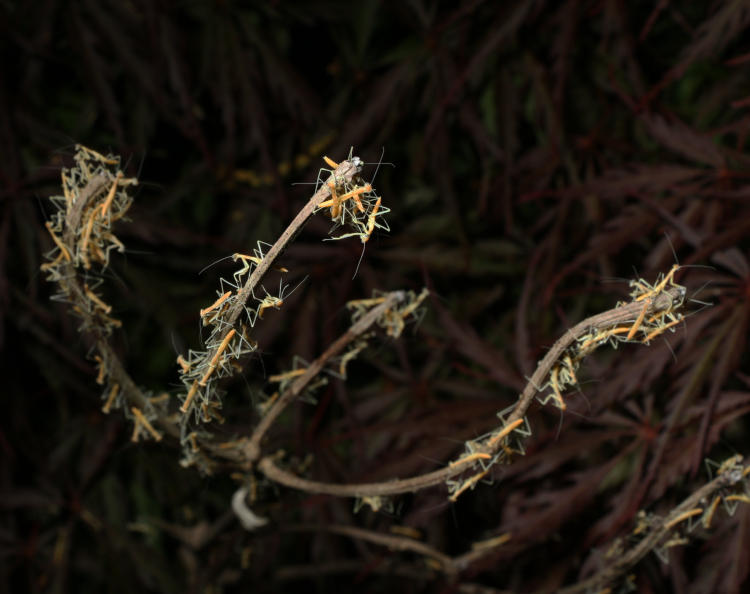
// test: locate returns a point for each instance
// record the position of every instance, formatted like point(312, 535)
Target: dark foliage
point(543, 151)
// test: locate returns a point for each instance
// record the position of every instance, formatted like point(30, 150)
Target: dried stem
point(618, 315)
point(196, 377)
point(659, 530)
point(345, 171)
point(252, 449)
point(393, 542)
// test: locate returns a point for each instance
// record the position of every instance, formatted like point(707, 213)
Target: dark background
point(543, 151)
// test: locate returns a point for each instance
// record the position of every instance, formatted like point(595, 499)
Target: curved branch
point(618, 315)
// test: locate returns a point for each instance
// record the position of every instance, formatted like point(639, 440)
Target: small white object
point(245, 515)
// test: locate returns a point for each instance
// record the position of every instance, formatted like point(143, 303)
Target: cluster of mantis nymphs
point(652, 310)
point(81, 228)
point(643, 329)
point(351, 203)
point(95, 196)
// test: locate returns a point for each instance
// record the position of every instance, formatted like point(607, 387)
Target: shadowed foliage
point(545, 154)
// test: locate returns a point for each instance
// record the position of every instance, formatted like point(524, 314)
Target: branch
point(627, 314)
point(252, 449)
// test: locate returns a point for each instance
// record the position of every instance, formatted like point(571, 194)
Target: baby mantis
point(368, 207)
point(216, 304)
point(271, 301)
point(644, 291)
point(249, 263)
point(335, 202)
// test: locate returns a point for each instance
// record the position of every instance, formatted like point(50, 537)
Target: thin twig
point(628, 559)
point(345, 172)
point(252, 448)
point(393, 542)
